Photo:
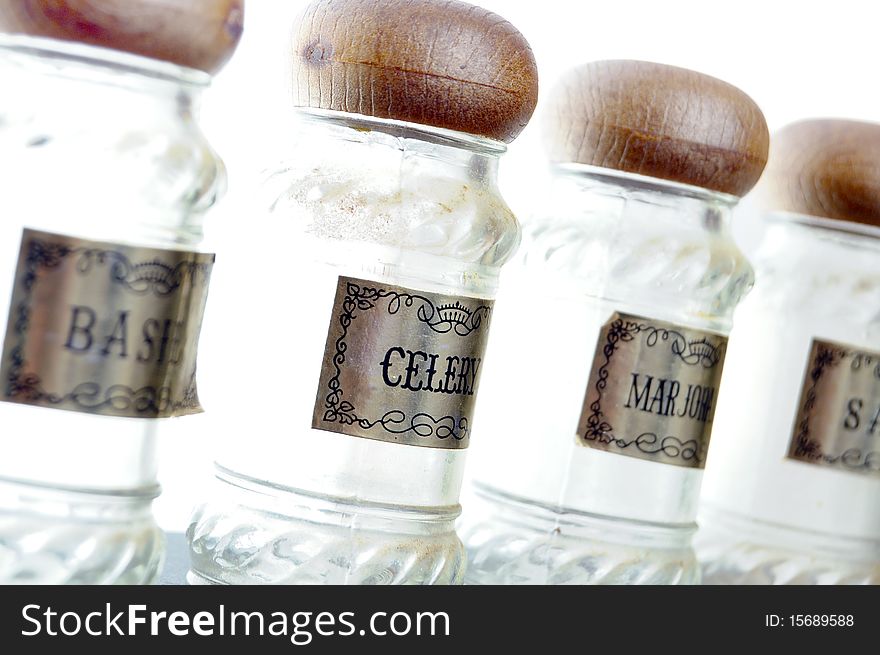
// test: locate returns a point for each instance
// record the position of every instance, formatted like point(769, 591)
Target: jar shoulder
point(817, 280)
point(398, 204)
point(168, 163)
point(638, 260)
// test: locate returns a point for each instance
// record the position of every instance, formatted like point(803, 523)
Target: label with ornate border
point(652, 391)
point(838, 420)
point(400, 365)
point(104, 328)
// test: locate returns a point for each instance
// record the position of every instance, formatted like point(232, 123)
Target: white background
point(796, 59)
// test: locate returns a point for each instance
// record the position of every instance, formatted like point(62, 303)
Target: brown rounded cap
point(660, 121)
point(440, 63)
point(199, 34)
point(828, 168)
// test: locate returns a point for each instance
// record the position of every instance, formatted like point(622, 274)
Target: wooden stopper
point(828, 168)
point(199, 34)
point(660, 121)
point(440, 63)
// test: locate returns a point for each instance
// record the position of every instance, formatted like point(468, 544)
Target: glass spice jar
point(106, 180)
point(599, 391)
point(388, 234)
point(793, 491)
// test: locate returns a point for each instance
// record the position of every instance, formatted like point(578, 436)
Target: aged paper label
point(652, 391)
point(401, 365)
point(104, 328)
point(838, 420)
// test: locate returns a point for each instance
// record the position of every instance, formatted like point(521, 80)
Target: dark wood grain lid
point(825, 167)
point(435, 62)
point(660, 121)
point(200, 34)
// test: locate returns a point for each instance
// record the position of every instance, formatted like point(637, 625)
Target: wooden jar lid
point(828, 168)
point(440, 63)
point(200, 34)
point(660, 121)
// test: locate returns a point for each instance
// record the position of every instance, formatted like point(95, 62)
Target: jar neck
point(89, 83)
point(590, 191)
point(424, 149)
point(786, 228)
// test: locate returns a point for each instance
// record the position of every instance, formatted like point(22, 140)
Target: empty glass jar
point(107, 177)
point(599, 391)
point(381, 263)
point(793, 488)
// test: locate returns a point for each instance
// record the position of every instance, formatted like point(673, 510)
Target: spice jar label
point(838, 420)
point(652, 391)
point(401, 365)
point(104, 328)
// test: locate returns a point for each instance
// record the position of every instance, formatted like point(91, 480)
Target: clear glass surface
point(817, 278)
point(372, 199)
point(104, 146)
point(606, 242)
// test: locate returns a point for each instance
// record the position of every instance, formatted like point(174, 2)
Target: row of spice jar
point(371, 288)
